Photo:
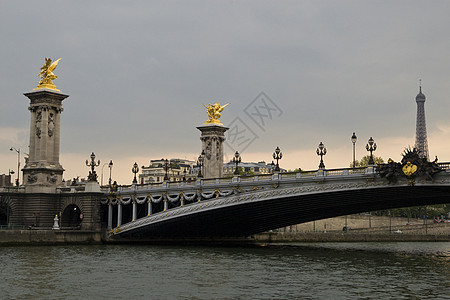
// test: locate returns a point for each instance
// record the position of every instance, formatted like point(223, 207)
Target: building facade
point(249, 168)
point(177, 170)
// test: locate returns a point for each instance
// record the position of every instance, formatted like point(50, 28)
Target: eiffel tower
point(421, 129)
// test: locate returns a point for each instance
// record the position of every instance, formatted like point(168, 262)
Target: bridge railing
point(256, 178)
point(210, 182)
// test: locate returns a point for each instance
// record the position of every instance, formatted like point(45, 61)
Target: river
point(294, 271)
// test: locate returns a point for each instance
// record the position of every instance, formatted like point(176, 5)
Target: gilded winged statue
point(214, 111)
point(47, 75)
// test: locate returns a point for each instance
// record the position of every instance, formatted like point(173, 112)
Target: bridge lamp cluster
point(166, 169)
point(135, 170)
point(236, 159)
point(321, 151)
point(200, 162)
point(371, 146)
point(277, 155)
point(92, 164)
point(354, 138)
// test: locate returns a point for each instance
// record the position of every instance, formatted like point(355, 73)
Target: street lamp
point(18, 163)
point(110, 165)
point(166, 168)
point(200, 162)
point(92, 174)
point(321, 151)
point(371, 146)
point(135, 169)
point(236, 160)
point(354, 138)
point(8, 201)
point(277, 155)
point(101, 181)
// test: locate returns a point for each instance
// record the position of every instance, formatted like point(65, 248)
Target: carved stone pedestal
point(42, 171)
point(213, 136)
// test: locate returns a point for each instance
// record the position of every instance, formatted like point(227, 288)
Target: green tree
point(364, 162)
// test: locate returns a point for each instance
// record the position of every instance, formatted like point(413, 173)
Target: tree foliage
point(364, 161)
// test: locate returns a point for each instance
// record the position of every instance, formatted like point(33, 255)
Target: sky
point(296, 73)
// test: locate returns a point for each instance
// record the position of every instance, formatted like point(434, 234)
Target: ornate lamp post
point(321, 151)
point(354, 138)
point(110, 166)
point(371, 146)
point(92, 174)
point(18, 163)
point(166, 168)
point(236, 160)
point(135, 169)
point(277, 155)
point(200, 163)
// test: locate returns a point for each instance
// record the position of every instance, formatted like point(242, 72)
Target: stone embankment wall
point(361, 228)
point(42, 237)
point(370, 224)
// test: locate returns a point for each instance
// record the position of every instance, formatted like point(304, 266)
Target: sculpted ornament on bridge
point(47, 75)
point(214, 111)
point(411, 166)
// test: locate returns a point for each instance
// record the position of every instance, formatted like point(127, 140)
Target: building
point(249, 168)
point(177, 170)
point(5, 180)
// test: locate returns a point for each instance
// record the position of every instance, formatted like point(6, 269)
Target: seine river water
point(296, 271)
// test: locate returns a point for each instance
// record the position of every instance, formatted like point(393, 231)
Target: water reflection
point(307, 271)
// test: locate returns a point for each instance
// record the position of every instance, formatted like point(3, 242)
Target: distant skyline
point(296, 73)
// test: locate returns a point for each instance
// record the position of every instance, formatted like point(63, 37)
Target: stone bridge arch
point(71, 217)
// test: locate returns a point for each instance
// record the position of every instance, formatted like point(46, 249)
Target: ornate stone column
point(149, 207)
point(134, 217)
point(119, 213)
point(110, 214)
point(212, 137)
point(42, 171)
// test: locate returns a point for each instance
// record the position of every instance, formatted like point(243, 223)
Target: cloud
point(137, 74)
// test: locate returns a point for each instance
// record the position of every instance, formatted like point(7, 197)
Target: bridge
point(241, 206)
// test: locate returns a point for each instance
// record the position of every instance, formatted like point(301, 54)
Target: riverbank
point(359, 229)
point(289, 237)
point(53, 237)
point(49, 237)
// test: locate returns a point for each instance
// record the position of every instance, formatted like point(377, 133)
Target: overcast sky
point(138, 72)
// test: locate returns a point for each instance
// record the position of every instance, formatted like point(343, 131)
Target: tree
point(364, 162)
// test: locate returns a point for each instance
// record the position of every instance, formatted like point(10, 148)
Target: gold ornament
point(214, 111)
point(409, 169)
point(47, 75)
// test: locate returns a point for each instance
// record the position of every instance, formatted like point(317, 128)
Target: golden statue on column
point(214, 111)
point(47, 75)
